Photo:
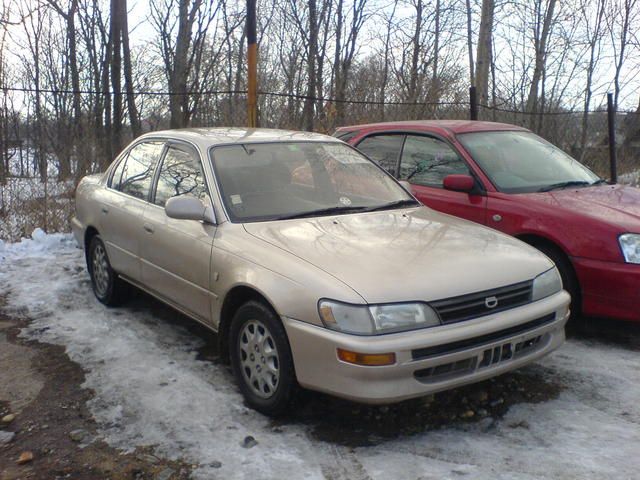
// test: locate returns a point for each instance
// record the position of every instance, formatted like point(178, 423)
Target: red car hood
point(615, 204)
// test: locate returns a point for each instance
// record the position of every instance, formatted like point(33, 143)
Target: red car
point(508, 178)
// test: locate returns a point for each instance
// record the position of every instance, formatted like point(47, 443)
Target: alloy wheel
point(259, 360)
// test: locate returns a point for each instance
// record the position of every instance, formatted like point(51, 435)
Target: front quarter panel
point(291, 285)
point(543, 216)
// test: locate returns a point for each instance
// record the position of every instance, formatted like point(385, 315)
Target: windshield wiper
point(407, 202)
point(557, 186)
point(322, 211)
point(599, 181)
point(345, 209)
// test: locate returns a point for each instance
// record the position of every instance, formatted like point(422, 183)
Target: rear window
point(137, 169)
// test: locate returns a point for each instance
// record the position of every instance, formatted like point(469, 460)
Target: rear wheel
point(108, 287)
point(261, 359)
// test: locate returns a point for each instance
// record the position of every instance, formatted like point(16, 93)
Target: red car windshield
point(522, 162)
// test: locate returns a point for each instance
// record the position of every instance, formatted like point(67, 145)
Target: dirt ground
point(42, 389)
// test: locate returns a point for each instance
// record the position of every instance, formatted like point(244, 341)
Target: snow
point(151, 389)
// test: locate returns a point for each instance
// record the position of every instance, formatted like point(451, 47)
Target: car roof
point(210, 136)
point(451, 126)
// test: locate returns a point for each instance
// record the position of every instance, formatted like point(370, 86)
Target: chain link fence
point(40, 162)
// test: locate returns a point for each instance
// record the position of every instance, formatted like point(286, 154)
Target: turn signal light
point(367, 359)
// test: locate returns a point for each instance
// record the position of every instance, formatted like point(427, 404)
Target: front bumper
point(429, 360)
point(609, 289)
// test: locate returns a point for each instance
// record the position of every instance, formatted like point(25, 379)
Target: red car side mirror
point(459, 183)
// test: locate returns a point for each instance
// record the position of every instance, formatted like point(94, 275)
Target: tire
point(263, 366)
point(569, 279)
point(107, 286)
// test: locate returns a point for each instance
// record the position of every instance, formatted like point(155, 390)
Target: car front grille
point(490, 357)
point(460, 345)
point(473, 305)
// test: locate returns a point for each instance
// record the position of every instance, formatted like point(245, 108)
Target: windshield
point(271, 181)
point(520, 162)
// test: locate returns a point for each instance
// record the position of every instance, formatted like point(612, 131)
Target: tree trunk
point(435, 79)
point(412, 93)
point(116, 73)
point(541, 57)
point(484, 54)
point(337, 64)
point(472, 77)
point(78, 131)
point(312, 51)
point(385, 69)
point(594, 42)
point(134, 118)
point(179, 99)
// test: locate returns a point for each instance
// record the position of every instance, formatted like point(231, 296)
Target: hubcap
point(259, 360)
point(100, 270)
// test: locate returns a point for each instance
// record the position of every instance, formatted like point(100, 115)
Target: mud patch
point(41, 387)
point(341, 422)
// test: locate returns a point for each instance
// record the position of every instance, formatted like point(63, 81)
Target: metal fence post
point(473, 103)
point(611, 116)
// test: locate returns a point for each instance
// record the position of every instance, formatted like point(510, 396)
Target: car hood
point(615, 204)
point(408, 254)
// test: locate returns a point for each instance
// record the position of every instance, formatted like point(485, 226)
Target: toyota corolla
point(315, 266)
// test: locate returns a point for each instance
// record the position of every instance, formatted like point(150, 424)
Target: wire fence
point(40, 162)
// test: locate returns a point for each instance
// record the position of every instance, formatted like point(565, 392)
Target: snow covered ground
point(151, 389)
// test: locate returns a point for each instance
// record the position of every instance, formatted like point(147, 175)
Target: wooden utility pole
point(252, 66)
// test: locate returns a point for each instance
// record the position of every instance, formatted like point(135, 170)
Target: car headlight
point(376, 319)
point(546, 284)
point(630, 245)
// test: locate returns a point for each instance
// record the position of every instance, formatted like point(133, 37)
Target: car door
point(123, 203)
point(176, 253)
point(424, 162)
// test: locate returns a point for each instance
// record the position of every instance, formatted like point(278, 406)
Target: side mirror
point(459, 183)
point(185, 207)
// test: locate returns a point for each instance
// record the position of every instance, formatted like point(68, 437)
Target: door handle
point(104, 210)
point(148, 228)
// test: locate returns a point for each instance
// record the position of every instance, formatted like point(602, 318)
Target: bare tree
point(472, 78)
point(181, 49)
point(542, 28)
point(593, 32)
point(345, 50)
point(484, 54)
point(311, 38)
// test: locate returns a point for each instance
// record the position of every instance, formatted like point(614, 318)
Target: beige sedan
point(316, 268)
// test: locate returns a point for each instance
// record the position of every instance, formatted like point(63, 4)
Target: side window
point(180, 174)
point(384, 149)
point(426, 161)
point(138, 169)
point(116, 177)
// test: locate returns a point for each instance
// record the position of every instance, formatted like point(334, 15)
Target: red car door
point(425, 161)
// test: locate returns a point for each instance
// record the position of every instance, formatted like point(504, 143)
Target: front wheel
point(261, 359)
point(569, 279)
point(107, 286)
